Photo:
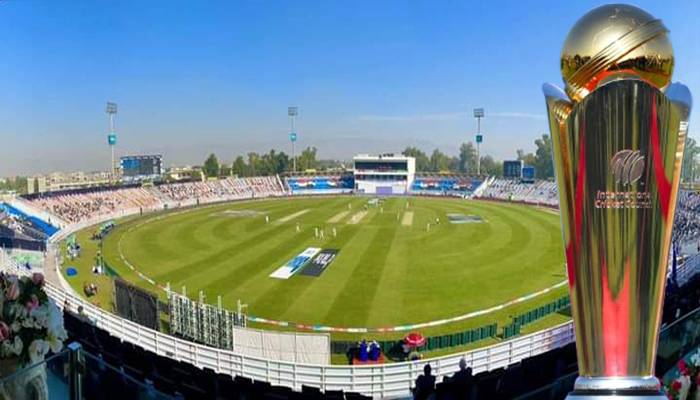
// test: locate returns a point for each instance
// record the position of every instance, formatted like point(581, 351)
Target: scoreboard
point(136, 168)
point(528, 175)
point(512, 169)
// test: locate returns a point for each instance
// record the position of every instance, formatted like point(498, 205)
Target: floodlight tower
point(292, 112)
point(478, 114)
point(111, 109)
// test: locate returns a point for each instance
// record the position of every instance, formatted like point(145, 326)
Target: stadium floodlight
point(478, 114)
point(292, 112)
point(111, 109)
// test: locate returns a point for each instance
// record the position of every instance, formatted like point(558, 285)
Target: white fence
point(386, 380)
point(218, 327)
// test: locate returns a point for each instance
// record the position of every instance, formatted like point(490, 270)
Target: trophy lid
point(615, 38)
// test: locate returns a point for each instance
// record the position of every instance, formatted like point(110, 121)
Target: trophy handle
point(557, 102)
point(682, 101)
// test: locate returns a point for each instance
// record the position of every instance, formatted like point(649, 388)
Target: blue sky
point(192, 78)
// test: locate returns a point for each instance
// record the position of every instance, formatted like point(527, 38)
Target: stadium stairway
point(160, 197)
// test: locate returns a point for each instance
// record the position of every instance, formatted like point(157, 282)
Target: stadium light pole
point(478, 114)
point(292, 112)
point(111, 109)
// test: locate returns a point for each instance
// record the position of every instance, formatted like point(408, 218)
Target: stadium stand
point(445, 186)
point(686, 227)
point(38, 228)
point(309, 185)
point(542, 192)
point(79, 205)
point(220, 190)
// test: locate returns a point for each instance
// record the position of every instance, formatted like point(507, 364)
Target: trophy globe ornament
point(618, 134)
point(612, 39)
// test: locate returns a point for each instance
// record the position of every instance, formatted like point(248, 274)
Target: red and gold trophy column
point(618, 133)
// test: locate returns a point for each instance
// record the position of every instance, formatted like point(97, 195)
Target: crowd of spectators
point(332, 184)
point(518, 379)
point(85, 205)
point(542, 192)
point(81, 206)
point(21, 226)
point(202, 191)
point(264, 186)
point(451, 185)
point(222, 189)
point(686, 227)
point(680, 300)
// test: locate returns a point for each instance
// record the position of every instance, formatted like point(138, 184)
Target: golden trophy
point(618, 133)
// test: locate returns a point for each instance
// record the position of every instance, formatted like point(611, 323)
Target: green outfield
point(391, 268)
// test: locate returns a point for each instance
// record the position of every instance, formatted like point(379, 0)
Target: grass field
point(390, 270)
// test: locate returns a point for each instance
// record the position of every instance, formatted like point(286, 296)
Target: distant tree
point(267, 163)
point(528, 159)
point(422, 160)
point(489, 166)
point(225, 170)
point(325, 165)
point(307, 159)
point(254, 166)
point(453, 164)
point(197, 174)
point(282, 163)
point(467, 158)
point(18, 184)
point(543, 158)
point(239, 168)
point(36, 185)
point(439, 161)
point(211, 166)
point(274, 163)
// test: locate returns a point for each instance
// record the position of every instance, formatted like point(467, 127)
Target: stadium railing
point(383, 380)
point(513, 329)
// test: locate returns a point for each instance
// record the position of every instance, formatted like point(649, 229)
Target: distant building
point(186, 173)
point(56, 181)
point(384, 174)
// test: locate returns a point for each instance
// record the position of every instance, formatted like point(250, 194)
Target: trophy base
point(613, 395)
point(617, 388)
